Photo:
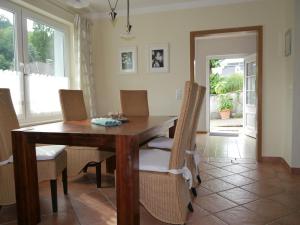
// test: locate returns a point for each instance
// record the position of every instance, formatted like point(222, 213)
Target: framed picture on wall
point(288, 42)
point(158, 58)
point(128, 60)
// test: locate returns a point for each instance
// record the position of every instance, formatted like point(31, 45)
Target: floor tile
point(237, 180)
point(216, 185)
point(218, 172)
point(289, 200)
point(263, 190)
point(206, 166)
point(235, 168)
point(220, 164)
point(196, 215)
point(214, 203)
point(8, 213)
point(92, 208)
point(205, 177)
point(201, 191)
point(268, 209)
point(147, 219)
point(292, 219)
point(239, 195)
point(241, 216)
point(60, 219)
point(208, 220)
point(259, 175)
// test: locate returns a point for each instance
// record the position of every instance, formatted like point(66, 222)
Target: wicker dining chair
point(51, 159)
point(134, 102)
point(80, 158)
point(192, 159)
point(164, 191)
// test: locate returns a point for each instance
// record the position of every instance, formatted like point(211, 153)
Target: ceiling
point(101, 7)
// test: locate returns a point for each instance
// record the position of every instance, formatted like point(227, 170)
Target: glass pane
point(45, 49)
point(46, 68)
point(251, 83)
point(251, 68)
point(9, 75)
point(251, 121)
point(251, 97)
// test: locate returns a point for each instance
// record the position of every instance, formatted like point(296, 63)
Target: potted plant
point(225, 105)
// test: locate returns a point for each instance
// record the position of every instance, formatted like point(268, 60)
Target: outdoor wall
point(244, 45)
point(174, 28)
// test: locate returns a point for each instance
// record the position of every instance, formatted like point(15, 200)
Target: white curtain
point(83, 60)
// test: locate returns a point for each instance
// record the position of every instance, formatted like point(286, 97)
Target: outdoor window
point(33, 62)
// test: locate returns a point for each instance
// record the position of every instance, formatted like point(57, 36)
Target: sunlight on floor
point(241, 147)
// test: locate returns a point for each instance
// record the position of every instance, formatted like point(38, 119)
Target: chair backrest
point(184, 126)
point(72, 105)
point(134, 102)
point(8, 122)
point(196, 115)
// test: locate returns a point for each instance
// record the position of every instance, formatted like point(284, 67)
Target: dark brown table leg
point(26, 180)
point(172, 130)
point(127, 149)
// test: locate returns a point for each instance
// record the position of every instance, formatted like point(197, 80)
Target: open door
point(250, 103)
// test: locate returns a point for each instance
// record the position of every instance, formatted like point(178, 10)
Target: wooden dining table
point(125, 140)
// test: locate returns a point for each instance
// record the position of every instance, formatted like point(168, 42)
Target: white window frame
point(21, 15)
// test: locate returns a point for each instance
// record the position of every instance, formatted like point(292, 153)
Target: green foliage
point(6, 44)
point(223, 85)
point(214, 63)
point(40, 44)
point(234, 82)
point(225, 102)
point(214, 79)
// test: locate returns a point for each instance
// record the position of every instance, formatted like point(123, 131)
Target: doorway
point(249, 122)
point(226, 83)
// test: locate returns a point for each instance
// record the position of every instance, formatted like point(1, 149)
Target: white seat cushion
point(49, 152)
point(161, 142)
point(154, 160)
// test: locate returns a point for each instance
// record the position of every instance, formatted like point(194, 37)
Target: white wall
point(243, 45)
point(174, 28)
point(295, 160)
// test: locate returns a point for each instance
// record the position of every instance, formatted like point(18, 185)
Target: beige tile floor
point(234, 191)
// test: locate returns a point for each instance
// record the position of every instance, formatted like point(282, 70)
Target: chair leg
point(190, 207)
point(98, 175)
point(194, 191)
point(65, 180)
point(199, 179)
point(53, 184)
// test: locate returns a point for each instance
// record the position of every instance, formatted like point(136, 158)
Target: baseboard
point(282, 161)
point(201, 132)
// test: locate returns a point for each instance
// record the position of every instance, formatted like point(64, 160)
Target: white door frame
point(208, 58)
point(248, 132)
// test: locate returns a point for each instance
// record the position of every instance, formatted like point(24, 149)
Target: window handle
point(24, 68)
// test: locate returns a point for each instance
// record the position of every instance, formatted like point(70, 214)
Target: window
point(33, 62)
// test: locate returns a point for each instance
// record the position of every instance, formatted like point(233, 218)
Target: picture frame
point(288, 42)
point(128, 60)
point(158, 58)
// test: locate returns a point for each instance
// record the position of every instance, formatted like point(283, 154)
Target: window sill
point(28, 124)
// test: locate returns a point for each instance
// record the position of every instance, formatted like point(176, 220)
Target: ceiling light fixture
point(113, 12)
point(127, 34)
point(78, 4)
